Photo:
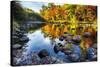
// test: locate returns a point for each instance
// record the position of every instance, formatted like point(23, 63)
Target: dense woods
point(69, 18)
point(69, 12)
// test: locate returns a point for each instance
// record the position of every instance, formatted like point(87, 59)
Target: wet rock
point(19, 53)
point(15, 37)
point(20, 35)
point(73, 57)
point(24, 39)
point(43, 53)
point(60, 45)
point(28, 59)
point(25, 59)
point(46, 60)
point(92, 54)
point(25, 46)
point(59, 61)
point(61, 38)
point(76, 53)
point(14, 52)
point(16, 46)
point(54, 59)
point(22, 28)
point(86, 34)
point(67, 52)
point(94, 58)
point(50, 60)
point(76, 39)
point(35, 59)
point(17, 30)
point(56, 48)
point(14, 61)
point(69, 37)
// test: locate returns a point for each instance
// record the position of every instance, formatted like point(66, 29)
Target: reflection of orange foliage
point(85, 44)
point(54, 31)
point(91, 30)
point(88, 42)
point(65, 29)
point(57, 32)
point(47, 28)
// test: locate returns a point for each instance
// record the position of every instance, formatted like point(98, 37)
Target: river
point(38, 42)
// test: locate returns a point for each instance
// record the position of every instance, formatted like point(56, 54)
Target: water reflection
point(38, 42)
point(43, 39)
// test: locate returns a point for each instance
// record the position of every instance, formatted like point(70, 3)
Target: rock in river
point(17, 46)
point(43, 53)
point(56, 48)
point(24, 39)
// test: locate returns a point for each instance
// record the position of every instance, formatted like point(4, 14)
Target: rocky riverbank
point(69, 45)
point(19, 40)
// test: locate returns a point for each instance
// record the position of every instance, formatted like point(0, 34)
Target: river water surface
point(38, 42)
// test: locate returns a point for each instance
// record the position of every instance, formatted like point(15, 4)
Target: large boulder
point(56, 48)
point(43, 53)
